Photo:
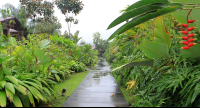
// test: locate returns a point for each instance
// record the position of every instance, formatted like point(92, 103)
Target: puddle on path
point(98, 89)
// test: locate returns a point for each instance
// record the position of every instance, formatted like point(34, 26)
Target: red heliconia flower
point(191, 45)
point(185, 32)
point(58, 45)
point(186, 47)
point(185, 25)
point(190, 29)
point(51, 56)
point(171, 36)
point(47, 50)
point(188, 40)
point(191, 21)
point(184, 38)
point(185, 42)
point(191, 35)
point(191, 40)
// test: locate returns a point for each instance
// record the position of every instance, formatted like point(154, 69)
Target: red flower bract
point(186, 47)
point(190, 29)
point(185, 25)
point(191, 45)
point(191, 40)
point(191, 35)
point(51, 56)
point(185, 42)
point(191, 21)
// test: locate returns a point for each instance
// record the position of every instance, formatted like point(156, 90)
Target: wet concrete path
point(98, 89)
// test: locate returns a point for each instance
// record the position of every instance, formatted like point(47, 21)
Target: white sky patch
point(96, 16)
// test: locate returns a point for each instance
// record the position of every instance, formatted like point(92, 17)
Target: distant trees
point(99, 42)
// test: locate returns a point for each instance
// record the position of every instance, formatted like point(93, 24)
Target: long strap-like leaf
point(145, 2)
point(132, 14)
point(140, 19)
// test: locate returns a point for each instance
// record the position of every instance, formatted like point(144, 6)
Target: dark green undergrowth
point(70, 84)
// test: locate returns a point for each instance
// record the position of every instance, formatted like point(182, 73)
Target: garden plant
point(30, 69)
point(155, 54)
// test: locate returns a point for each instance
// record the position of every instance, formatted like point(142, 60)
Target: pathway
point(98, 89)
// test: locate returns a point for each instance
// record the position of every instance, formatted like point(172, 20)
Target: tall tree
point(40, 12)
point(70, 8)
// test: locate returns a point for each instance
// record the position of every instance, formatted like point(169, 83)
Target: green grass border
point(70, 84)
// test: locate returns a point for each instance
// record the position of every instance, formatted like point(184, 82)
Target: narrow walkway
point(98, 89)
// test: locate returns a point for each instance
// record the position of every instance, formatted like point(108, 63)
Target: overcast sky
point(95, 17)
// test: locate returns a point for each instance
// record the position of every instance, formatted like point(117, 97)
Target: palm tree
point(75, 37)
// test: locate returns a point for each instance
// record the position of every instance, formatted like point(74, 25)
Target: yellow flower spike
point(130, 84)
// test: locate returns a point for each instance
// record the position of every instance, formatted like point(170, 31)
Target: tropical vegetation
point(155, 54)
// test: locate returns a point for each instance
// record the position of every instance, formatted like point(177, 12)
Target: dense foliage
point(29, 69)
point(148, 58)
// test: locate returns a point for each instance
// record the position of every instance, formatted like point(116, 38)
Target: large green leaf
point(132, 14)
point(25, 100)
point(46, 90)
point(36, 81)
point(193, 53)
point(10, 87)
point(33, 84)
point(13, 41)
point(181, 16)
point(12, 79)
point(6, 71)
point(35, 92)
point(18, 50)
point(142, 18)
point(9, 95)
point(44, 97)
point(21, 89)
point(1, 74)
point(17, 102)
point(155, 50)
point(57, 77)
point(145, 62)
point(41, 56)
point(145, 2)
point(2, 83)
point(160, 33)
point(44, 43)
point(3, 99)
point(31, 99)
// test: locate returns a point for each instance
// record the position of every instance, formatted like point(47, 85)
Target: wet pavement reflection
point(98, 89)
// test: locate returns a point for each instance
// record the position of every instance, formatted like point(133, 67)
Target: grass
point(129, 97)
point(70, 84)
